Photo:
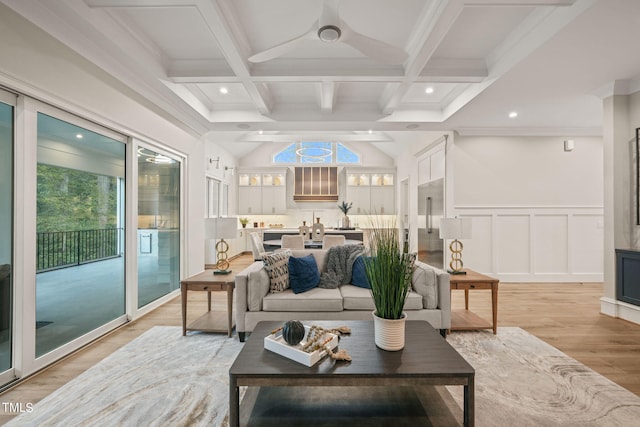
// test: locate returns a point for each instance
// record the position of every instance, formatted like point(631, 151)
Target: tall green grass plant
point(389, 270)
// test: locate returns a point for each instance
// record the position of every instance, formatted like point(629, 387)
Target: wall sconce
point(228, 168)
point(216, 160)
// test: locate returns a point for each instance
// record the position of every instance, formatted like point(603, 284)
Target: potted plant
point(244, 221)
point(344, 207)
point(389, 271)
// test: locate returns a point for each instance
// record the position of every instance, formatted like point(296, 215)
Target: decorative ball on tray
point(293, 332)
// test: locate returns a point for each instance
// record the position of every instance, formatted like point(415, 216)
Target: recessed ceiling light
point(260, 132)
point(370, 131)
point(429, 90)
point(243, 126)
point(412, 126)
point(513, 114)
point(224, 90)
point(79, 136)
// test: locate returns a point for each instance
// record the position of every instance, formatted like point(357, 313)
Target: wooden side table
point(465, 320)
point(211, 321)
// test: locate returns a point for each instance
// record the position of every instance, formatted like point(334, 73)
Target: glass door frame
point(132, 225)
point(9, 375)
point(25, 226)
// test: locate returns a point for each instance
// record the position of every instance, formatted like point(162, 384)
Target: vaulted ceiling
point(548, 60)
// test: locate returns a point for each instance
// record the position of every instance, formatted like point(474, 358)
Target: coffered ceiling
point(480, 59)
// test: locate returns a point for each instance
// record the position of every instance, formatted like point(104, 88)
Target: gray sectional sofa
point(429, 299)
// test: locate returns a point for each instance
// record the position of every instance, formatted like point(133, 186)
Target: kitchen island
point(277, 233)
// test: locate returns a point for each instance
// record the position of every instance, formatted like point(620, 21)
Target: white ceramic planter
point(389, 333)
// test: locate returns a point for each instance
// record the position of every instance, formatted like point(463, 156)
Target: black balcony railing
point(60, 249)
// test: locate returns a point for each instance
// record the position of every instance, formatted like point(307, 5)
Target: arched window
point(316, 152)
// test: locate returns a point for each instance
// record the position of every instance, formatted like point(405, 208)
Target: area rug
point(523, 381)
point(159, 379)
point(164, 379)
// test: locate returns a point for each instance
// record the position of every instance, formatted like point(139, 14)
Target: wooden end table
point(465, 320)
point(208, 282)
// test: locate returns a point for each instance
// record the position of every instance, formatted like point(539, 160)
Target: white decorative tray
point(277, 344)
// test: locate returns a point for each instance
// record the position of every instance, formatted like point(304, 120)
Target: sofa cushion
point(258, 287)
point(357, 298)
point(316, 299)
point(359, 274)
point(277, 266)
point(424, 282)
point(303, 273)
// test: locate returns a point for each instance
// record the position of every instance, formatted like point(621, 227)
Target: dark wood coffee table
point(427, 359)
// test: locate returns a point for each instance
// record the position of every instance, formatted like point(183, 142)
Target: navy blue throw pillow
point(359, 274)
point(303, 273)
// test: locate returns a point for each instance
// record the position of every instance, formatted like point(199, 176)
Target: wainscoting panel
point(478, 251)
point(550, 244)
point(535, 244)
point(587, 248)
point(513, 238)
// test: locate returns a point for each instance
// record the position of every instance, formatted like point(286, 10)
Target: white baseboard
point(619, 309)
point(548, 277)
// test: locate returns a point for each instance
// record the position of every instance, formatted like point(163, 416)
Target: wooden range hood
point(315, 184)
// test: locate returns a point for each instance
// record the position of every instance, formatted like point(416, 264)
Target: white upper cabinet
point(262, 193)
point(371, 192)
point(432, 165)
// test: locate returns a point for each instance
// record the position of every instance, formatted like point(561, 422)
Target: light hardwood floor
point(563, 315)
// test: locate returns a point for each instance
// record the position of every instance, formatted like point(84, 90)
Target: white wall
point(528, 171)
point(537, 210)
point(38, 66)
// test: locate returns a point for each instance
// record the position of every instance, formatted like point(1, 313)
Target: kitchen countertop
point(295, 230)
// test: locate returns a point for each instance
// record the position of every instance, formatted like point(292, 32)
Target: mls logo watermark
point(17, 407)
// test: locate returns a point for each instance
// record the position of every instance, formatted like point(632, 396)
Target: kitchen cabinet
point(371, 192)
point(274, 193)
point(250, 200)
point(431, 166)
point(262, 193)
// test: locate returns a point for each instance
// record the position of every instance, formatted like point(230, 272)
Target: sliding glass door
point(6, 239)
point(80, 256)
point(158, 225)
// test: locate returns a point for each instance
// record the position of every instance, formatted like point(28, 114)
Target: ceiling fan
point(330, 28)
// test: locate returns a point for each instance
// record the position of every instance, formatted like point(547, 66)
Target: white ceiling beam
point(343, 137)
point(190, 70)
point(455, 70)
point(525, 3)
point(234, 50)
point(326, 67)
point(435, 23)
point(137, 3)
point(327, 96)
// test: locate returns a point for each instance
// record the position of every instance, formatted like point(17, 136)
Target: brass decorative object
point(455, 228)
point(221, 228)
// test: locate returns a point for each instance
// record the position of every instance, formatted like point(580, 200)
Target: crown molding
point(524, 131)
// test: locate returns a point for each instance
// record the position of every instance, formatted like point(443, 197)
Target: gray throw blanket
point(340, 261)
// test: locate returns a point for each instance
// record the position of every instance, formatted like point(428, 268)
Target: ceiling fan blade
point(282, 48)
point(372, 48)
